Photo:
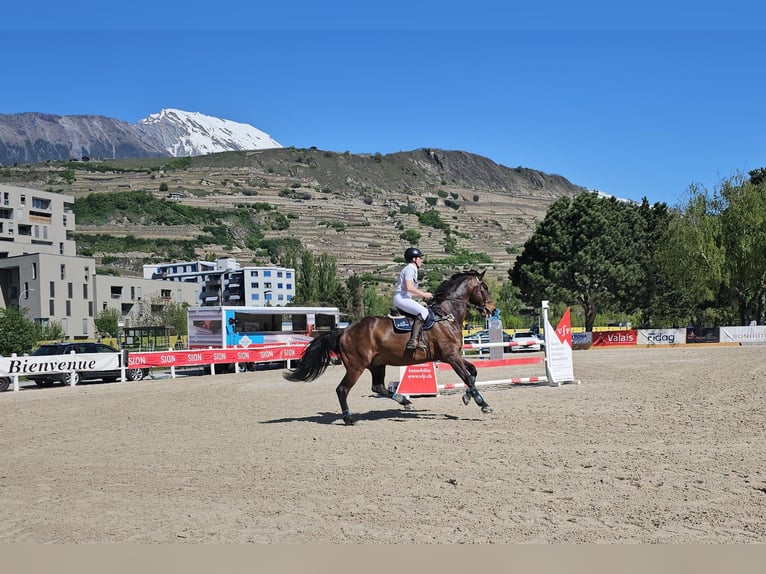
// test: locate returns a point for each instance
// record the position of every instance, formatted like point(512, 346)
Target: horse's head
point(479, 296)
point(468, 287)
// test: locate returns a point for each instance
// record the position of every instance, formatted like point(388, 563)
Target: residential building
point(40, 271)
point(225, 283)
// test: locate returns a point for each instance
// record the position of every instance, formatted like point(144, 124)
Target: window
point(279, 274)
point(63, 271)
point(288, 275)
point(267, 285)
point(34, 270)
point(255, 297)
point(87, 272)
point(90, 308)
point(69, 290)
point(289, 286)
point(68, 307)
point(84, 326)
point(51, 307)
point(254, 285)
point(165, 293)
point(267, 296)
point(280, 286)
point(52, 286)
point(61, 248)
point(85, 291)
point(40, 203)
point(267, 273)
point(253, 274)
point(26, 290)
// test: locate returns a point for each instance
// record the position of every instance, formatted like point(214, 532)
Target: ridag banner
point(661, 336)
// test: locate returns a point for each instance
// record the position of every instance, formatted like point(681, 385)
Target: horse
point(372, 343)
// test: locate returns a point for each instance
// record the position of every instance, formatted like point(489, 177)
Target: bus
point(236, 326)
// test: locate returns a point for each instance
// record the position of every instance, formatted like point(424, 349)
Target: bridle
point(481, 308)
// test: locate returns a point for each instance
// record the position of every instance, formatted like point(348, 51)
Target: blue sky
point(637, 100)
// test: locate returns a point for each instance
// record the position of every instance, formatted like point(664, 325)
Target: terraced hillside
point(350, 206)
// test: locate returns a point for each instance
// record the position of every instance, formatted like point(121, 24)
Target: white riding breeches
point(409, 305)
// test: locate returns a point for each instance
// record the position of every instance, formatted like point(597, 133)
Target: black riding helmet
point(411, 253)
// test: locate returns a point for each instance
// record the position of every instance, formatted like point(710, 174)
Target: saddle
point(402, 321)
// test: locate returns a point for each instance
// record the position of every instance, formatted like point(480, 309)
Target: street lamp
point(23, 295)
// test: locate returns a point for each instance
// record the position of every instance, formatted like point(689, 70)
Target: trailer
point(236, 326)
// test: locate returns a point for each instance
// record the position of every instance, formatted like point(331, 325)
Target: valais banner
point(558, 353)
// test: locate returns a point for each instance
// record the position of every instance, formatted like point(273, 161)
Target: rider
point(406, 288)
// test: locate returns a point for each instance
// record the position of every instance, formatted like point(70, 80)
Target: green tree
point(585, 252)
point(742, 208)
point(106, 322)
point(691, 261)
point(18, 334)
point(174, 316)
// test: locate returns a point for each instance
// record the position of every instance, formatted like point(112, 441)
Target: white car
point(525, 341)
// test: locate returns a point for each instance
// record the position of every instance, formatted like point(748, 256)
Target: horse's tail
point(316, 357)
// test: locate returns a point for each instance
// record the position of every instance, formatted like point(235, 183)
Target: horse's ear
point(481, 275)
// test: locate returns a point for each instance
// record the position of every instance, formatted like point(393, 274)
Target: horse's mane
point(452, 283)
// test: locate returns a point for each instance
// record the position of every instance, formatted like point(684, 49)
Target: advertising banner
point(754, 334)
point(702, 335)
point(662, 336)
point(261, 354)
point(615, 338)
point(558, 348)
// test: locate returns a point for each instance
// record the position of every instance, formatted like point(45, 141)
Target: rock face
point(35, 137)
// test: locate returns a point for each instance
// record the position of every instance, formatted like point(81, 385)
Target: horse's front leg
point(379, 387)
point(467, 373)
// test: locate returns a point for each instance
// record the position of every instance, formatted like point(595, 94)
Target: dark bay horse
point(372, 343)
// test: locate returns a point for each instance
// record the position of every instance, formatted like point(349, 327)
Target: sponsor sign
point(253, 354)
point(614, 338)
point(558, 348)
point(418, 380)
point(662, 336)
point(743, 335)
point(702, 335)
point(582, 340)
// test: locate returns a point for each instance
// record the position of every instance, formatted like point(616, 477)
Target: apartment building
point(225, 283)
point(40, 271)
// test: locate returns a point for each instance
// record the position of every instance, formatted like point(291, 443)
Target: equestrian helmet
point(411, 253)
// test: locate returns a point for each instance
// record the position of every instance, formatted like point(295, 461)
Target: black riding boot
point(417, 326)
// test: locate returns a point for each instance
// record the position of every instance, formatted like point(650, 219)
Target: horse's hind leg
point(342, 390)
point(379, 386)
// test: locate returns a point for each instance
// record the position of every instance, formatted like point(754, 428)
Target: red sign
point(615, 338)
point(253, 354)
point(418, 380)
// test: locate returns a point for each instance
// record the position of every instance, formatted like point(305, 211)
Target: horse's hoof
point(486, 409)
point(409, 407)
point(349, 421)
point(466, 399)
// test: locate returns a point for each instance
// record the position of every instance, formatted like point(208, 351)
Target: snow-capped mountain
point(183, 133)
point(35, 137)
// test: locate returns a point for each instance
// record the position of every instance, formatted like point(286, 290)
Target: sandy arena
point(654, 446)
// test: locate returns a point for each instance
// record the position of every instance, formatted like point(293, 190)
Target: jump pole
point(423, 382)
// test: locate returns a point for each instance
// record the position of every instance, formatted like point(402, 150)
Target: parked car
point(480, 337)
point(47, 379)
point(525, 341)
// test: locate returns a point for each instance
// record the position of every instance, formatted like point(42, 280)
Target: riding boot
point(417, 326)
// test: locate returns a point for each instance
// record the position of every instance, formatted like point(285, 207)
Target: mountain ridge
point(33, 137)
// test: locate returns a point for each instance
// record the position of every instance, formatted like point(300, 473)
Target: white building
point(225, 282)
